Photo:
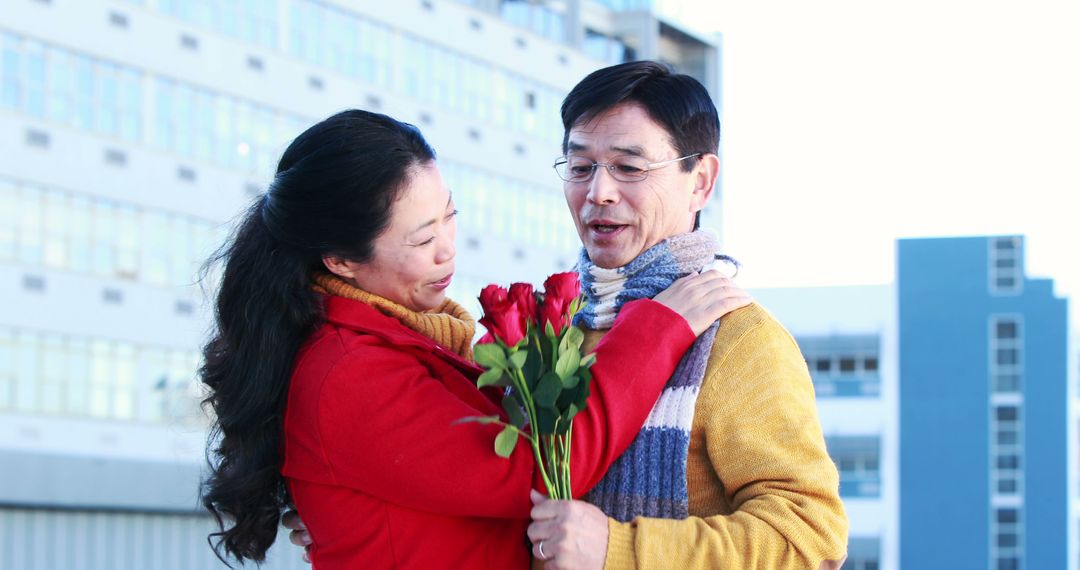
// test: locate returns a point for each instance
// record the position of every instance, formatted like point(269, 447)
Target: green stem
point(530, 408)
point(569, 448)
point(556, 461)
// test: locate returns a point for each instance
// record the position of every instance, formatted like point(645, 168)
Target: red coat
point(383, 479)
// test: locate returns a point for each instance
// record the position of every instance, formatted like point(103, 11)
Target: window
point(610, 50)
point(8, 371)
point(1008, 462)
point(1006, 383)
point(253, 21)
point(547, 20)
point(1008, 563)
point(1007, 538)
point(1007, 413)
point(1006, 329)
point(1007, 437)
point(351, 44)
point(843, 365)
point(45, 227)
point(231, 133)
point(863, 553)
point(1006, 277)
point(70, 89)
point(1006, 356)
point(1007, 459)
point(858, 460)
point(9, 219)
point(46, 373)
point(1006, 349)
point(1007, 485)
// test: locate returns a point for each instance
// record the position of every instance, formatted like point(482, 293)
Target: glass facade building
point(133, 132)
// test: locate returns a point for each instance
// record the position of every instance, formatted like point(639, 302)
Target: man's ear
point(704, 176)
point(338, 266)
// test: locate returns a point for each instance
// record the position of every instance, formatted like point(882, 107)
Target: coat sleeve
point(765, 445)
point(388, 428)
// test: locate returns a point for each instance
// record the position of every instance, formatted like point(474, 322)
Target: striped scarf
point(649, 479)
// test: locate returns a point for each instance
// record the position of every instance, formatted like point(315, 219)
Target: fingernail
point(536, 497)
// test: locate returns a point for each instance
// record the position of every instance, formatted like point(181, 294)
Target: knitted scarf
point(649, 479)
point(450, 324)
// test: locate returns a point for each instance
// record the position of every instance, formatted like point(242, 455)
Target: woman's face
point(413, 260)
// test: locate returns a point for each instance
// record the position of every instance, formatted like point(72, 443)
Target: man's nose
point(603, 188)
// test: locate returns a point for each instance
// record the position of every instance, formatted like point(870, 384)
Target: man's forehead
point(626, 128)
point(640, 140)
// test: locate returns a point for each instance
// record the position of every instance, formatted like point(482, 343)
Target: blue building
point(983, 408)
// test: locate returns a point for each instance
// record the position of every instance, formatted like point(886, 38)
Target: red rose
point(502, 317)
point(563, 286)
point(522, 296)
point(490, 296)
point(560, 290)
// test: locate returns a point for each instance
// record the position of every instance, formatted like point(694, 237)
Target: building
point(131, 134)
point(848, 337)
point(984, 408)
point(948, 405)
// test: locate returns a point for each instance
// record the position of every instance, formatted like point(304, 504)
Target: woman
point(338, 368)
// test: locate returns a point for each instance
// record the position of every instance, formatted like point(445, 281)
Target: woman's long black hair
point(332, 195)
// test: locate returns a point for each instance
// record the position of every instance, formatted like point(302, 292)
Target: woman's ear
point(340, 267)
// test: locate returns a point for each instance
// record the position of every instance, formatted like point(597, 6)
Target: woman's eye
point(427, 241)
point(452, 214)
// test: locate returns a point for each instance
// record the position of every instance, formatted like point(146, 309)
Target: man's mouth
point(605, 227)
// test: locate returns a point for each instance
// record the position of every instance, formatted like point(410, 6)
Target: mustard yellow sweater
point(764, 493)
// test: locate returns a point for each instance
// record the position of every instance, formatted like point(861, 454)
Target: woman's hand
point(299, 535)
point(701, 298)
point(568, 535)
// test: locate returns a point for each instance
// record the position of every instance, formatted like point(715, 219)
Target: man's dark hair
point(677, 102)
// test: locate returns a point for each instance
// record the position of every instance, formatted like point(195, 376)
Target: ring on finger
point(540, 547)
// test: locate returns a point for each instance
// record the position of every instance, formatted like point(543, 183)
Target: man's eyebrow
point(634, 150)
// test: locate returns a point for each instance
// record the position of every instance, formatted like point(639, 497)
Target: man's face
point(617, 221)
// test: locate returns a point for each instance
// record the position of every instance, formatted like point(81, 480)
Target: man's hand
point(299, 535)
point(701, 298)
point(568, 535)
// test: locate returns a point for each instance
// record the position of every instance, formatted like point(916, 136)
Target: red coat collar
point(361, 317)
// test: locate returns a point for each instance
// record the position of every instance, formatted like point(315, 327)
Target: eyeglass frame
point(649, 167)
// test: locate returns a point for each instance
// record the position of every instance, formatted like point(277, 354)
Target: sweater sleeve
point(765, 445)
point(387, 427)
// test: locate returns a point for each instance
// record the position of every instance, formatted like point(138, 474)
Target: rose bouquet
point(532, 349)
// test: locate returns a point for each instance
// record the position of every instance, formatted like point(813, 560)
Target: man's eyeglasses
point(627, 168)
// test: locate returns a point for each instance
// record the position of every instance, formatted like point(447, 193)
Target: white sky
point(848, 124)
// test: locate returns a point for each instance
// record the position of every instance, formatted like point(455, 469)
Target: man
point(731, 469)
